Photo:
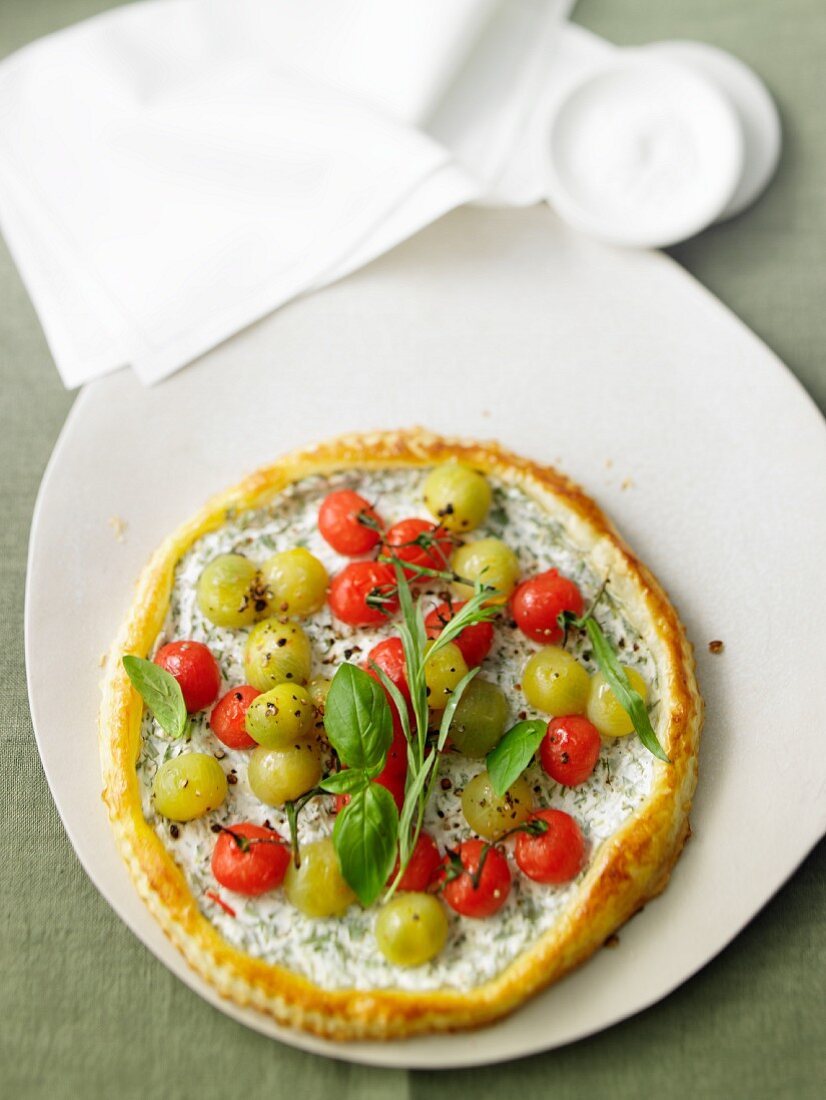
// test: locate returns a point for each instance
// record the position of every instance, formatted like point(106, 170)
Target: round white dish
point(613, 364)
point(644, 151)
point(755, 107)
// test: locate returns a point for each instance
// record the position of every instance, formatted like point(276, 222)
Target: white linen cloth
point(173, 170)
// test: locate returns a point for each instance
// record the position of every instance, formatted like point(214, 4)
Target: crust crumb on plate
point(119, 527)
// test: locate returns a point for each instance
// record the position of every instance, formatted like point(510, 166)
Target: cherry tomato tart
point(283, 896)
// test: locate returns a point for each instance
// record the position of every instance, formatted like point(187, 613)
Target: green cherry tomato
point(442, 673)
point(555, 682)
point(489, 815)
point(296, 582)
point(489, 561)
point(280, 716)
point(277, 653)
point(604, 709)
point(229, 591)
point(319, 689)
point(188, 786)
point(411, 929)
point(479, 719)
point(457, 496)
point(317, 888)
point(277, 776)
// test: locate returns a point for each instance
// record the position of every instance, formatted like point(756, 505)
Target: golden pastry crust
point(630, 868)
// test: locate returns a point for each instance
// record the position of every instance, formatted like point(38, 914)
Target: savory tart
point(396, 733)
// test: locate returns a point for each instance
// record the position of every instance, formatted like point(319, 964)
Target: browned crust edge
point(629, 869)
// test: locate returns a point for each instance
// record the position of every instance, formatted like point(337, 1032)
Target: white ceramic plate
point(615, 365)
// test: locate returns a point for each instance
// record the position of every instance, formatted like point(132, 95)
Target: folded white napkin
point(173, 170)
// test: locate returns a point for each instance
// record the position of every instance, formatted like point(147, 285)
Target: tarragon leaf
point(629, 699)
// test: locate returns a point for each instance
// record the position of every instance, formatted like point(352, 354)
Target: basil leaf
point(629, 699)
point(364, 836)
point(514, 752)
point(161, 692)
point(357, 718)
point(344, 782)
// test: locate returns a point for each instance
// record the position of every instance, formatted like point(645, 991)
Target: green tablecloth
point(85, 1010)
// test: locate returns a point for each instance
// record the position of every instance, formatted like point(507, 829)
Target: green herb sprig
point(423, 755)
point(161, 693)
point(629, 699)
point(369, 831)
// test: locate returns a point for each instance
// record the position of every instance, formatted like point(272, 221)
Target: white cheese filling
point(340, 952)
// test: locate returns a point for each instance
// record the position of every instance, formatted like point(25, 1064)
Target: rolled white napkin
point(174, 170)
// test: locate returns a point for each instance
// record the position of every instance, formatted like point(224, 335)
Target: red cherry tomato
point(536, 603)
point(554, 856)
point(253, 871)
point(494, 882)
point(228, 714)
point(350, 589)
point(341, 521)
point(195, 669)
point(423, 866)
point(396, 762)
point(474, 641)
point(394, 780)
point(389, 656)
point(570, 750)
point(432, 551)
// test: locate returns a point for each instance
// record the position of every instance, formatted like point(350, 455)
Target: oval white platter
point(616, 366)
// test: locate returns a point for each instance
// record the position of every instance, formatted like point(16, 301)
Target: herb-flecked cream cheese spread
point(340, 952)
